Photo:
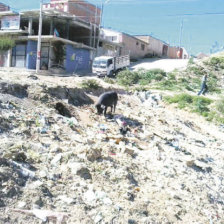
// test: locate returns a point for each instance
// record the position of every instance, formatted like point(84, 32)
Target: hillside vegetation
point(184, 84)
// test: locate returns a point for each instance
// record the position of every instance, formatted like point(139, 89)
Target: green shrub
point(144, 82)
point(109, 80)
point(200, 105)
point(195, 103)
point(220, 105)
point(216, 62)
point(182, 100)
point(127, 78)
point(152, 74)
point(171, 76)
point(191, 61)
point(140, 89)
point(6, 43)
point(159, 77)
point(196, 70)
point(90, 84)
point(168, 85)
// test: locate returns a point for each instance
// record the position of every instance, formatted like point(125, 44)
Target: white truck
point(109, 66)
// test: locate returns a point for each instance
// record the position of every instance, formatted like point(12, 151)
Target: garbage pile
point(147, 163)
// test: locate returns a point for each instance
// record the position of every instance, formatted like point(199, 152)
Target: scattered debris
point(147, 163)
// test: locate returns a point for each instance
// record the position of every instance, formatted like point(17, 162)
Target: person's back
point(204, 87)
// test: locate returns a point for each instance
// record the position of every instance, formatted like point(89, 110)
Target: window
point(44, 56)
point(143, 47)
point(109, 62)
point(19, 56)
point(114, 38)
point(137, 43)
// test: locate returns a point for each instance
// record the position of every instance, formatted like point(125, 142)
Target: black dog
point(108, 99)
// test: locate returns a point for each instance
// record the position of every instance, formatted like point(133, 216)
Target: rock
point(66, 199)
point(198, 168)
point(131, 221)
point(93, 154)
point(90, 197)
point(98, 218)
point(84, 173)
point(38, 202)
point(56, 160)
point(2, 204)
point(21, 204)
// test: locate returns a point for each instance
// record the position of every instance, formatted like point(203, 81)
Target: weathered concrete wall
point(108, 50)
point(172, 52)
point(3, 58)
point(133, 46)
point(155, 46)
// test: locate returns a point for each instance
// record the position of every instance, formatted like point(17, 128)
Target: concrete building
point(128, 44)
point(155, 46)
point(159, 48)
point(109, 43)
point(81, 9)
point(173, 52)
point(68, 41)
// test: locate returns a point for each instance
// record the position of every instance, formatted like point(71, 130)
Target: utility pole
point(101, 22)
point(181, 32)
point(102, 9)
point(39, 39)
point(180, 39)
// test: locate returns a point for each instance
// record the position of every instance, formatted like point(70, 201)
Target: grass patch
point(142, 77)
point(127, 78)
point(140, 89)
point(109, 80)
point(200, 105)
point(220, 105)
point(216, 62)
point(196, 104)
point(90, 84)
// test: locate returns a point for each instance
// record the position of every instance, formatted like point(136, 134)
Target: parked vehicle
point(109, 66)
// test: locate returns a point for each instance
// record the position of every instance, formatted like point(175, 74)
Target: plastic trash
point(103, 128)
point(25, 172)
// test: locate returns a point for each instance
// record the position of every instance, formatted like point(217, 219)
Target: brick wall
point(4, 7)
point(82, 9)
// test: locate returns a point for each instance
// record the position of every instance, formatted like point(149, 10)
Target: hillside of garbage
point(61, 162)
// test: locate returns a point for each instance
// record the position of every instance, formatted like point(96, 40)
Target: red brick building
point(83, 10)
point(4, 7)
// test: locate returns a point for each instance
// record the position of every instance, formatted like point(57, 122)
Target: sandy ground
point(167, 65)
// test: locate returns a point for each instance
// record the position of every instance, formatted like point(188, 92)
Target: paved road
point(167, 65)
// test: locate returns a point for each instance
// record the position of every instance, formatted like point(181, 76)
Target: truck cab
point(103, 66)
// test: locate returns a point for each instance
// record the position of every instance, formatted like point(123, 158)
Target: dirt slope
point(79, 168)
point(167, 65)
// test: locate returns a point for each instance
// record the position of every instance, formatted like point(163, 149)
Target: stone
point(93, 154)
point(84, 173)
